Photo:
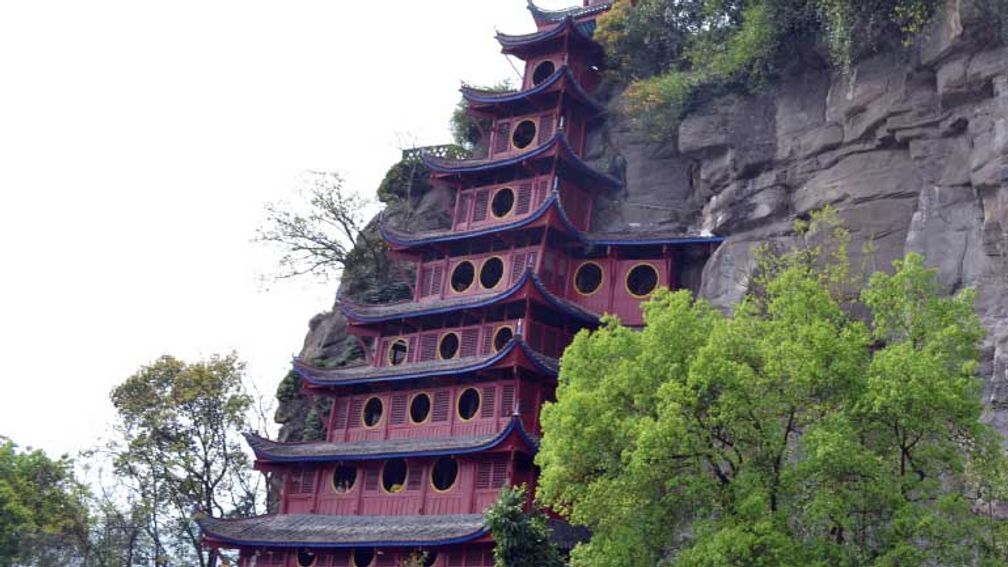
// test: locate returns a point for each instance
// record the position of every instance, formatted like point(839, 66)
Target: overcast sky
point(139, 142)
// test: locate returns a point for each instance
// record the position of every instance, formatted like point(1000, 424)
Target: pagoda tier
point(544, 94)
point(351, 541)
point(269, 453)
point(480, 352)
point(584, 14)
point(554, 154)
point(562, 38)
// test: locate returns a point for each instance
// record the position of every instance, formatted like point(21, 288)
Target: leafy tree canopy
point(521, 538)
point(791, 432)
point(43, 515)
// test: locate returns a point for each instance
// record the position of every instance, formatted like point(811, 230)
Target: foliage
point(674, 53)
point(469, 132)
point(43, 516)
point(314, 429)
point(319, 240)
point(521, 538)
point(180, 450)
point(789, 433)
point(404, 180)
point(289, 387)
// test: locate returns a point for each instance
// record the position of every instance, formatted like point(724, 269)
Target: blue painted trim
point(349, 312)
point(558, 138)
point(514, 41)
point(473, 95)
point(315, 380)
point(378, 543)
point(390, 235)
point(514, 424)
point(542, 16)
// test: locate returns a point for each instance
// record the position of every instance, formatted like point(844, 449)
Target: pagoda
point(444, 411)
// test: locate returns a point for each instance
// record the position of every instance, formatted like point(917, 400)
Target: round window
point(449, 346)
point(393, 475)
point(462, 276)
point(468, 404)
point(543, 72)
point(372, 412)
point(430, 559)
point(398, 352)
point(641, 280)
point(502, 337)
point(588, 278)
point(444, 473)
point(343, 478)
point(363, 557)
point(305, 558)
point(491, 272)
point(419, 408)
point(502, 202)
point(524, 133)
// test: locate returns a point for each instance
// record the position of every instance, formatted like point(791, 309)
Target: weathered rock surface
point(911, 147)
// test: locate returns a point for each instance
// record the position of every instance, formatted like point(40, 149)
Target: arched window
point(372, 413)
point(491, 272)
point(468, 404)
point(543, 71)
point(363, 557)
point(419, 409)
point(393, 475)
point(444, 473)
point(501, 337)
point(641, 280)
point(305, 558)
point(398, 352)
point(588, 278)
point(449, 346)
point(503, 202)
point(343, 478)
point(462, 276)
point(524, 134)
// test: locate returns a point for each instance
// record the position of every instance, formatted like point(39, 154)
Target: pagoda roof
point(563, 76)
point(521, 44)
point(319, 531)
point(639, 237)
point(365, 373)
point(544, 17)
point(528, 282)
point(557, 146)
point(326, 452)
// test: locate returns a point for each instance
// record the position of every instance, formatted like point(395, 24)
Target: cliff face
point(911, 147)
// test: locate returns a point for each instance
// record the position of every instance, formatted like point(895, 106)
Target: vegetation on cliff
point(789, 433)
point(675, 54)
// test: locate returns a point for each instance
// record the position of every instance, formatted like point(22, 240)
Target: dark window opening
point(363, 557)
point(430, 559)
point(524, 133)
point(642, 280)
point(502, 337)
point(449, 346)
point(372, 412)
point(588, 278)
point(305, 558)
point(491, 272)
point(502, 202)
point(398, 352)
point(462, 276)
point(394, 475)
point(343, 478)
point(543, 72)
point(468, 404)
point(444, 473)
point(419, 408)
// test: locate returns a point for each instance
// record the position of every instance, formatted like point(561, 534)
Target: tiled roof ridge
point(422, 447)
point(563, 72)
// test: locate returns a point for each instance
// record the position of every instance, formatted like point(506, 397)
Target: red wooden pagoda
point(444, 412)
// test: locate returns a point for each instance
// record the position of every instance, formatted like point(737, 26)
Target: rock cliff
point(910, 146)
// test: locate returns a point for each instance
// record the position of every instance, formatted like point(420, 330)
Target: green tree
point(521, 538)
point(789, 433)
point(180, 451)
point(43, 513)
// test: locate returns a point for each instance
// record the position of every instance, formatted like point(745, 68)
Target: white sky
point(139, 142)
